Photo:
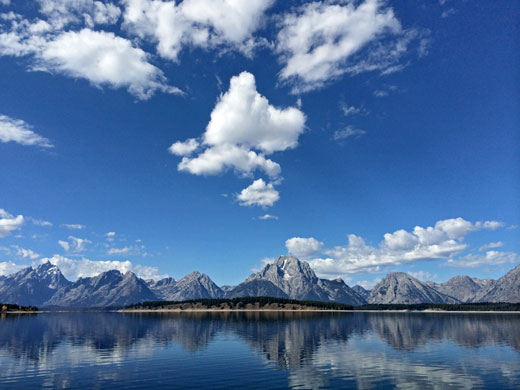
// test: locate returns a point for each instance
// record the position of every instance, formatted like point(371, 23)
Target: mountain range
point(287, 277)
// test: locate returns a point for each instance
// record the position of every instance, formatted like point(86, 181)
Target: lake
point(238, 350)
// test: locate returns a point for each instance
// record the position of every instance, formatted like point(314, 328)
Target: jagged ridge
point(287, 277)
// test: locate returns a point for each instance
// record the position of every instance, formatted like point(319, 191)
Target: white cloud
point(100, 57)
point(244, 117)
point(184, 148)
point(489, 225)
point(321, 41)
point(66, 37)
point(452, 228)
point(90, 12)
point(200, 23)
point(350, 110)
point(26, 253)
point(74, 245)
point(303, 247)
point(5, 2)
point(18, 131)
point(349, 131)
point(216, 159)
point(39, 222)
point(104, 59)
point(73, 226)
point(8, 223)
point(423, 275)
point(442, 241)
point(119, 251)
point(8, 268)
point(491, 245)
point(368, 284)
point(241, 121)
point(74, 269)
point(448, 12)
point(64, 244)
point(386, 89)
point(267, 216)
point(489, 258)
point(258, 194)
point(127, 250)
point(110, 234)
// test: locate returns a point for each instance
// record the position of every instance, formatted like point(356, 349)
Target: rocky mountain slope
point(398, 287)
point(32, 286)
point(505, 289)
point(361, 291)
point(162, 288)
point(111, 288)
point(464, 288)
point(193, 286)
point(297, 280)
point(256, 288)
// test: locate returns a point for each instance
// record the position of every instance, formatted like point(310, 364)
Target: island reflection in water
point(260, 350)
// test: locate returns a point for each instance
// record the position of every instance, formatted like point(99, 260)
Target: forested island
point(239, 304)
point(283, 304)
point(10, 308)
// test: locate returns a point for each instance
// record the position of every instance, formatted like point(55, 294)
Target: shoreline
point(227, 310)
point(21, 312)
point(125, 311)
point(308, 311)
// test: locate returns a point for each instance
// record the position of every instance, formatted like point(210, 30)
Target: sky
point(162, 137)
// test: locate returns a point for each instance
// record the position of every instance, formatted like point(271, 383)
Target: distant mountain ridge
point(111, 288)
point(193, 286)
point(287, 277)
point(399, 287)
point(464, 288)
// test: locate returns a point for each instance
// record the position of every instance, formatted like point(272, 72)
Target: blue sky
point(364, 137)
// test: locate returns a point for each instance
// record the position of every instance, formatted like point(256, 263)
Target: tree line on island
point(9, 307)
point(243, 303)
point(273, 303)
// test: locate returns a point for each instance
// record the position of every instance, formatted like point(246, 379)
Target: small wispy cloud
point(385, 91)
point(351, 110)
point(347, 132)
point(492, 258)
point(39, 222)
point(9, 223)
point(267, 216)
point(423, 275)
point(16, 130)
point(491, 245)
point(26, 253)
point(73, 226)
point(368, 284)
point(74, 244)
point(448, 12)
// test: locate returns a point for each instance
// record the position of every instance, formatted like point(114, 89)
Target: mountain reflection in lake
point(260, 350)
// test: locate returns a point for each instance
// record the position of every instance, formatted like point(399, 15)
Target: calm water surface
point(260, 350)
